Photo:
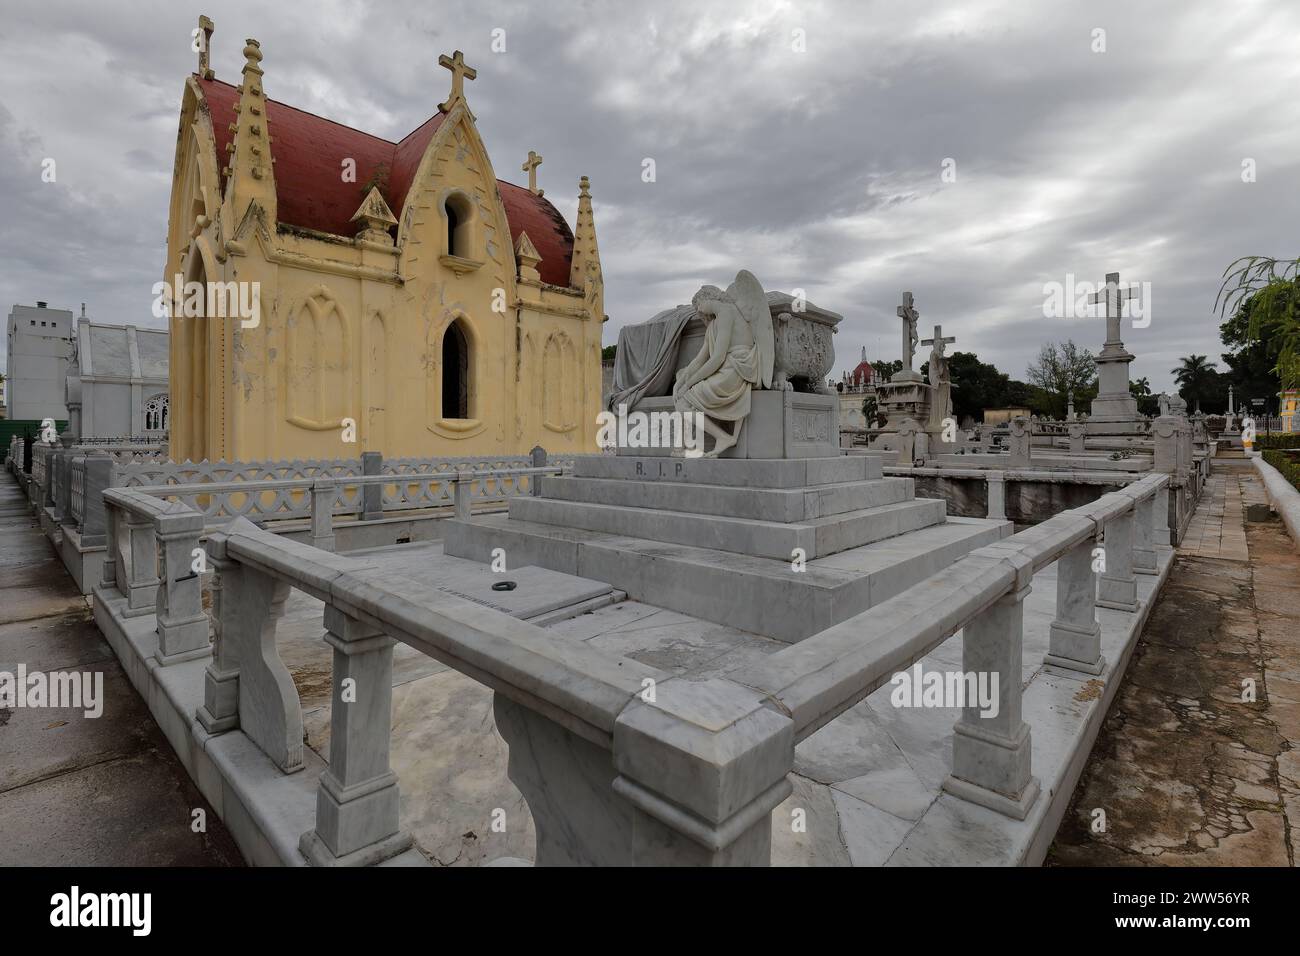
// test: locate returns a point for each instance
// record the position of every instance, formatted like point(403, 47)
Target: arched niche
point(318, 364)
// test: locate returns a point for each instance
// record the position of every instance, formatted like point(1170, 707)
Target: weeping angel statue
point(738, 355)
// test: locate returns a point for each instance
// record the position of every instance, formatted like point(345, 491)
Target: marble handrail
point(320, 498)
point(154, 562)
point(658, 769)
point(821, 677)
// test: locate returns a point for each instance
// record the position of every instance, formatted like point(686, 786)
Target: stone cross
point(205, 27)
point(459, 72)
point(530, 167)
point(909, 316)
point(939, 338)
point(1113, 297)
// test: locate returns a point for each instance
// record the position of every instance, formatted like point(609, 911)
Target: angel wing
point(752, 302)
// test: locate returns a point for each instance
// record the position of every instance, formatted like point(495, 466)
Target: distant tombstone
point(1019, 441)
point(1078, 429)
point(907, 433)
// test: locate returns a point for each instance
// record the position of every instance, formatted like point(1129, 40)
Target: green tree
point(1268, 290)
point(1148, 404)
point(1252, 359)
point(1196, 378)
point(607, 352)
point(1059, 370)
point(885, 368)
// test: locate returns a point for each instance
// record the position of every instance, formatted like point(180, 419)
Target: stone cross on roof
point(459, 73)
point(909, 315)
point(1113, 297)
point(205, 28)
point(530, 167)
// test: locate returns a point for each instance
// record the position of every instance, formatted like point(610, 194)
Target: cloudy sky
point(803, 141)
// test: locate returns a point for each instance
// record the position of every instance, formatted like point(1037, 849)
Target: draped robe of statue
point(738, 355)
point(941, 382)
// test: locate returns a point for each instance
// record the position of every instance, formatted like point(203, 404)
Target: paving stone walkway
point(79, 791)
point(1190, 769)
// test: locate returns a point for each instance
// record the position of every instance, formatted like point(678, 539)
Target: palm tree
point(1193, 376)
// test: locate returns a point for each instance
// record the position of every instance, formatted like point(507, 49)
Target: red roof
point(863, 374)
point(310, 192)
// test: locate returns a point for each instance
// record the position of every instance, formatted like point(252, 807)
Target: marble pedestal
point(781, 424)
point(905, 395)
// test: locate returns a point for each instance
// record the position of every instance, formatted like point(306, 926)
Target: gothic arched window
point(155, 414)
point(455, 373)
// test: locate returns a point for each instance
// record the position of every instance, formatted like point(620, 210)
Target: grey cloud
point(818, 170)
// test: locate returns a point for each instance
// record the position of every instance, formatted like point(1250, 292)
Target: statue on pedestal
point(738, 356)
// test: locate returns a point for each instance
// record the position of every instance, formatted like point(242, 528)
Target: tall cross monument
point(1114, 410)
point(909, 315)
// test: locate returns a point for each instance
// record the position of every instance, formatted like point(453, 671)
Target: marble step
point(764, 539)
point(769, 504)
point(735, 473)
point(762, 595)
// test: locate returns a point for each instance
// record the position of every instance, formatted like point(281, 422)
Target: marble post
point(1144, 555)
point(182, 623)
point(1075, 635)
point(1160, 518)
point(63, 500)
point(991, 755)
point(219, 711)
point(139, 583)
point(461, 495)
point(1118, 587)
point(246, 669)
point(997, 495)
point(357, 801)
point(372, 496)
point(323, 491)
point(99, 477)
point(108, 577)
point(539, 461)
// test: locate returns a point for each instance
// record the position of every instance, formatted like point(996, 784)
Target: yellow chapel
point(404, 299)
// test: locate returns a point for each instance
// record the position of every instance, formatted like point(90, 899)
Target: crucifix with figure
point(1113, 297)
point(459, 73)
point(530, 167)
point(909, 315)
point(939, 341)
point(940, 379)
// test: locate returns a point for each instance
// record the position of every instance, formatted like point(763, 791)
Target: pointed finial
point(528, 257)
point(375, 218)
point(459, 73)
point(203, 42)
point(584, 188)
point(530, 167)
